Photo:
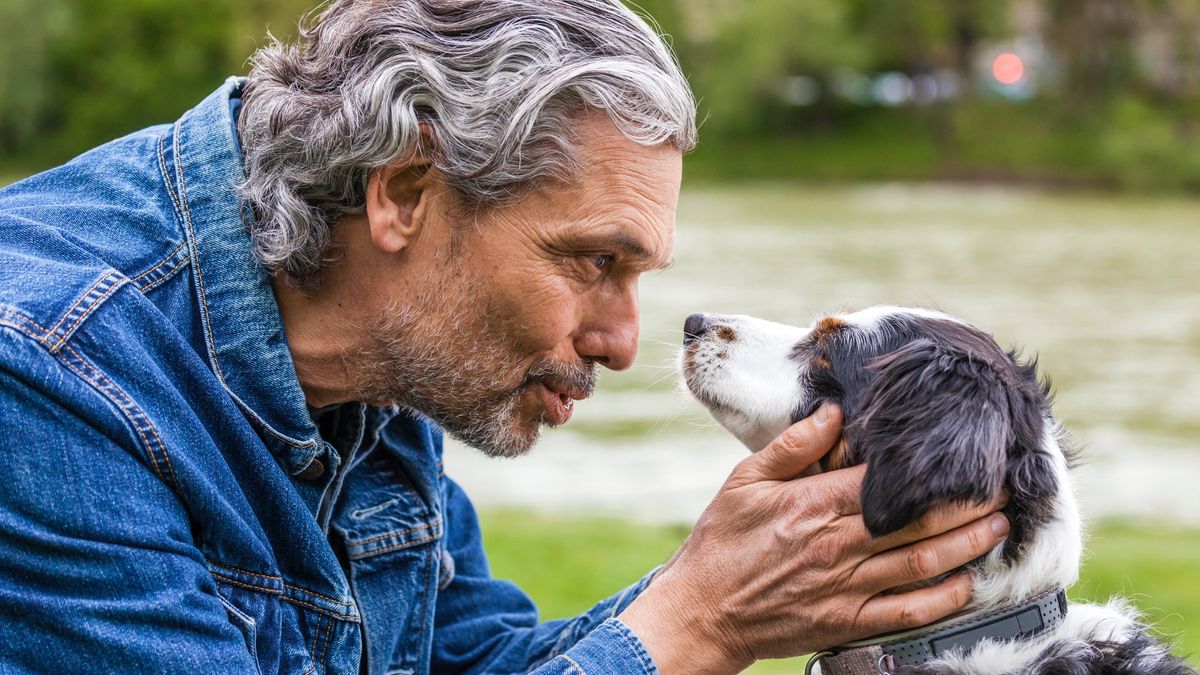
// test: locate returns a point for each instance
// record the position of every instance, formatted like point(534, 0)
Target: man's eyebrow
point(627, 245)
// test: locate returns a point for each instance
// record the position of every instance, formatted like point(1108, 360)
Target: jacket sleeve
point(98, 572)
point(486, 625)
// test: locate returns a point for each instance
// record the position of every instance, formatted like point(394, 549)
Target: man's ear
point(935, 426)
point(398, 202)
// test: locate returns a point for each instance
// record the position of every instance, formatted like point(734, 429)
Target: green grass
point(567, 564)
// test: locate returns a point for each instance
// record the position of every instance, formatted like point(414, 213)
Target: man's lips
point(559, 403)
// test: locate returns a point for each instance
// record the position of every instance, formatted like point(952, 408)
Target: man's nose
point(612, 340)
point(615, 347)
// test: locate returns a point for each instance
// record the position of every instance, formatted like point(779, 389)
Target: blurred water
point(1104, 289)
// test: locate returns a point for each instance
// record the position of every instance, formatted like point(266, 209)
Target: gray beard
point(458, 373)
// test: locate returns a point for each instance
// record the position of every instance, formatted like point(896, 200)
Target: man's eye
point(602, 262)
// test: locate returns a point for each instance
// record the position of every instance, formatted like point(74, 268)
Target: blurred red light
point(1008, 68)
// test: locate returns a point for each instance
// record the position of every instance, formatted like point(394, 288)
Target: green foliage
point(1150, 149)
point(912, 35)
point(568, 564)
point(30, 28)
point(76, 73)
point(129, 68)
point(755, 45)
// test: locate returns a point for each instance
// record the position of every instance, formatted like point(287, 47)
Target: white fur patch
point(752, 383)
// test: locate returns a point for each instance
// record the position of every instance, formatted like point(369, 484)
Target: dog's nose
point(695, 327)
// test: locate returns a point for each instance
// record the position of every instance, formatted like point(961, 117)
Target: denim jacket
point(170, 504)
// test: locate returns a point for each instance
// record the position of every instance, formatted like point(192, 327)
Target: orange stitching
point(162, 262)
point(81, 298)
point(100, 389)
point(67, 332)
point(235, 582)
point(322, 610)
point(204, 302)
point(323, 597)
point(246, 572)
point(24, 319)
point(187, 210)
point(378, 551)
point(389, 535)
point(97, 385)
point(312, 650)
point(166, 275)
point(162, 166)
point(283, 596)
point(325, 642)
point(131, 405)
point(279, 579)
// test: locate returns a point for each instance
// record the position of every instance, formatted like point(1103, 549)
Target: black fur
point(939, 412)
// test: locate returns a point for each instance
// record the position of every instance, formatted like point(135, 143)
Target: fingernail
point(822, 414)
point(999, 525)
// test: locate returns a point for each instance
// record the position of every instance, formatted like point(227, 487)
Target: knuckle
point(912, 615)
point(979, 544)
point(842, 617)
point(825, 552)
point(961, 593)
point(922, 562)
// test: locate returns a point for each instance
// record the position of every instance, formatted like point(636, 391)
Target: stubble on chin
point(438, 357)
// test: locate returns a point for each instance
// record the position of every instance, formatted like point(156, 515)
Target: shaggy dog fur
point(939, 413)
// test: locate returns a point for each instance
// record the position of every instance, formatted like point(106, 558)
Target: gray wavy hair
point(487, 90)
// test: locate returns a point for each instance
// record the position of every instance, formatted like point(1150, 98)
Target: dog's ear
point(934, 425)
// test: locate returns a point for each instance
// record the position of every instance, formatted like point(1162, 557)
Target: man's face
point(514, 308)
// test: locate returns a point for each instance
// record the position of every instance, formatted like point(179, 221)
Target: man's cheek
point(538, 317)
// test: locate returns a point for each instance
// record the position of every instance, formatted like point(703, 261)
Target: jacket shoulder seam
point(100, 290)
point(70, 358)
point(163, 270)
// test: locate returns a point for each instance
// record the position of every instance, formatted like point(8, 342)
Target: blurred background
point(1030, 165)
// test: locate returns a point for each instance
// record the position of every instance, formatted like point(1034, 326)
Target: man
point(228, 347)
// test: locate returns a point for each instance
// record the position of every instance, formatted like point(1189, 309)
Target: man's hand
point(780, 566)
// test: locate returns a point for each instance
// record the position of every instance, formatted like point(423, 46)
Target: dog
point(939, 412)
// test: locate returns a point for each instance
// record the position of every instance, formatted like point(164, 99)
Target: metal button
point(313, 471)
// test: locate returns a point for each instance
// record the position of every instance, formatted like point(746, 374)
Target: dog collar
point(882, 655)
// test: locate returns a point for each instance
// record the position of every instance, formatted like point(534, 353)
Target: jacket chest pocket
point(280, 635)
point(384, 512)
point(246, 610)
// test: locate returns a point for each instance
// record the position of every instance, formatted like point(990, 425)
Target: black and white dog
point(939, 413)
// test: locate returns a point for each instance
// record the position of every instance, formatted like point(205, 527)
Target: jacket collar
point(245, 341)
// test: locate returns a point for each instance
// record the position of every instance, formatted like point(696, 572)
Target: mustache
point(574, 377)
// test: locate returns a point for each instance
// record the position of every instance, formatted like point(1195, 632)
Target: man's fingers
point(887, 613)
point(797, 447)
point(929, 558)
point(940, 519)
point(838, 492)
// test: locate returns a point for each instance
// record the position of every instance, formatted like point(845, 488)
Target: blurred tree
point(920, 36)
point(755, 45)
point(923, 37)
point(133, 63)
point(30, 27)
point(254, 19)
point(75, 73)
point(1095, 41)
